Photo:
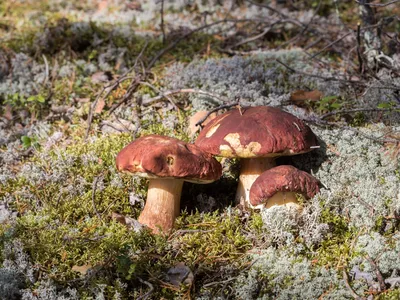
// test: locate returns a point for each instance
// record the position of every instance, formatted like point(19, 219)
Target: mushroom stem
point(250, 169)
point(162, 204)
point(289, 199)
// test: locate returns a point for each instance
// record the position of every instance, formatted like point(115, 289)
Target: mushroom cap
point(258, 131)
point(282, 179)
point(156, 156)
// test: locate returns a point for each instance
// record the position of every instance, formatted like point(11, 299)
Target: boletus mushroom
point(167, 162)
point(279, 186)
point(257, 135)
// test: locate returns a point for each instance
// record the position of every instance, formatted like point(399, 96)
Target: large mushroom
point(167, 162)
point(256, 135)
point(279, 186)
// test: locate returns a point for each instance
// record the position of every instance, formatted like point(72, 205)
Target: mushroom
point(167, 162)
point(256, 135)
point(279, 186)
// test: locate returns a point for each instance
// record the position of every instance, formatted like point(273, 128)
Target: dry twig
point(147, 295)
point(200, 122)
point(382, 285)
point(180, 91)
point(94, 186)
point(348, 286)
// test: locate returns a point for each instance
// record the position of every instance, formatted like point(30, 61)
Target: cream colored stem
point(162, 205)
point(288, 199)
point(250, 169)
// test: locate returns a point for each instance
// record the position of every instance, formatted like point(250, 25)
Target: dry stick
point(338, 112)
point(162, 22)
point(320, 122)
point(158, 91)
point(359, 83)
point(330, 44)
point(359, 56)
point(348, 286)
point(179, 91)
point(201, 121)
point(147, 295)
point(94, 186)
point(379, 4)
point(183, 37)
point(256, 37)
point(111, 87)
point(378, 273)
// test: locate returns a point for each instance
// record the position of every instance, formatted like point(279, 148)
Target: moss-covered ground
point(66, 212)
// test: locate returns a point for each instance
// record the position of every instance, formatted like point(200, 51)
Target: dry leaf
point(82, 269)
point(8, 112)
point(99, 106)
point(300, 96)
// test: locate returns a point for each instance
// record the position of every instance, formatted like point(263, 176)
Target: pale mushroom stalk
point(167, 162)
point(162, 204)
point(288, 199)
point(250, 169)
point(279, 186)
point(256, 135)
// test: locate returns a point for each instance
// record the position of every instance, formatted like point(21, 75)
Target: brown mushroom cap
point(259, 131)
point(282, 179)
point(156, 156)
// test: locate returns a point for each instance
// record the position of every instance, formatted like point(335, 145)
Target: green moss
point(389, 295)
point(336, 249)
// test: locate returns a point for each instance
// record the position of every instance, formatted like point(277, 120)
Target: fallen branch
point(348, 286)
point(158, 91)
point(180, 91)
point(331, 78)
point(319, 122)
point(348, 111)
point(379, 4)
point(201, 121)
point(94, 186)
point(147, 295)
point(378, 273)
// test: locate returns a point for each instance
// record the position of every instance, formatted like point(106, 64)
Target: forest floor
point(79, 80)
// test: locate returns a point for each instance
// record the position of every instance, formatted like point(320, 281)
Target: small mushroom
point(279, 185)
point(167, 162)
point(257, 135)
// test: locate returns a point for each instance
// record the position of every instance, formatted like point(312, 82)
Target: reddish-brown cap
point(259, 131)
point(155, 156)
point(282, 179)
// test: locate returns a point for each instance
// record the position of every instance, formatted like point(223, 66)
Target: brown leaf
point(299, 97)
point(82, 269)
point(8, 112)
point(99, 106)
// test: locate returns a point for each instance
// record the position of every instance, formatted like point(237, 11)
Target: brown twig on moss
point(225, 106)
point(148, 294)
point(180, 91)
point(319, 122)
point(348, 286)
point(382, 285)
point(94, 187)
point(162, 21)
point(332, 78)
point(349, 111)
point(379, 4)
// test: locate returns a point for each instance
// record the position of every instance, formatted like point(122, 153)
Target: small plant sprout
point(279, 185)
point(256, 135)
point(167, 162)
